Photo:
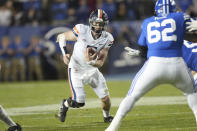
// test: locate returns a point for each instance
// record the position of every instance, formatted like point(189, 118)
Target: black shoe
point(17, 127)
point(108, 119)
point(62, 111)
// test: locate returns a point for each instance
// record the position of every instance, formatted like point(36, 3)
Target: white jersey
point(84, 40)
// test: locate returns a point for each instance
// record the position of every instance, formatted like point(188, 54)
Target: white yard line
point(94, 103)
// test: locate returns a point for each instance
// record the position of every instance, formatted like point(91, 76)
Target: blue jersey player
point(189, 51)
point(163, 36)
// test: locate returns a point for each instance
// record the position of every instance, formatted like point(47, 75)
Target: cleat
point(108, 119)
point(62, 111)
point(17, 127)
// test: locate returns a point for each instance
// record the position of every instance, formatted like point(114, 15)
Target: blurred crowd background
point(28, 30)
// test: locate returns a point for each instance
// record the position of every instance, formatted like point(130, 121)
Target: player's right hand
point(90, 54)
point(132, 52)
point(66, 59)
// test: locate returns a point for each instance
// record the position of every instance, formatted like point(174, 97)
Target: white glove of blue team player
point(132, 52)
point(192, 25)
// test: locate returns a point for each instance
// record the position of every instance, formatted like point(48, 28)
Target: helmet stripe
point(164, 10)
point(167, 6)
point(100, 13)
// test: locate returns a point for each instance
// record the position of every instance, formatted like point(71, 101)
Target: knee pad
point(74, 104)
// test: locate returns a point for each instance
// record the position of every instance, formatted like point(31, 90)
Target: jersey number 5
point(155, 35)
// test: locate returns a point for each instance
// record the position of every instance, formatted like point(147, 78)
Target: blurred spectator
point(92, 4)
point(121, 14)
point(109, 6)
point(142, 8)
point(132, 6)
point(99, 4)
point(18, 62)
point(31, 17)
point(112, 30)
point(34, 64)
point(71, 17)
point(73, 4)
point(83, 11)
point(195, 7)
point(59, 12)
point(6, 53)
point(17, 13)
point(184, 4)
point(127, 37)
point(5, 16)
point(9, 5)
point(36, 4)
point(187, 6)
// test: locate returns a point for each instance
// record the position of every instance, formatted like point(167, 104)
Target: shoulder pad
point(79, 29)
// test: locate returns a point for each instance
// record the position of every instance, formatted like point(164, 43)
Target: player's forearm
point(98, 63)
point(61, 39)
point(101, 60)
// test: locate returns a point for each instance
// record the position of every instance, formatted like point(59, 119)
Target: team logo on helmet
point(164, 7)
point(98, 17)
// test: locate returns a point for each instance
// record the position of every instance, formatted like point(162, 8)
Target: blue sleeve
point(142, 38)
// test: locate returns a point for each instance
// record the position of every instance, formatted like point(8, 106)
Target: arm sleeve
point(143, 51)
point(77, 29)
point(142, 38)
point(142, 43)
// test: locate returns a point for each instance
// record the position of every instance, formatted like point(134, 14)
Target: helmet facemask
point(98, 26)
point(97, 23)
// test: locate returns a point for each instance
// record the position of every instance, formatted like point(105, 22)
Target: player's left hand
point(132, 52)
point(66, 59)
point(192, 26)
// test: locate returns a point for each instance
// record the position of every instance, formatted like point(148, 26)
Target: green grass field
point(144, 117)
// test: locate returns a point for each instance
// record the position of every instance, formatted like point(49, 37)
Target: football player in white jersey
point(89, 53)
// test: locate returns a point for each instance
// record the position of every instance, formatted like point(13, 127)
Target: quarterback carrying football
point(89, 53)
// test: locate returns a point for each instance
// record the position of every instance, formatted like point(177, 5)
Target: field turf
point(21, 95)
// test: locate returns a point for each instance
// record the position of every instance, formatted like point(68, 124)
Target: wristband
point(65, 50)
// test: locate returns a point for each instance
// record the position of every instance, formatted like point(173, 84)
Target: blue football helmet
point(164, 7)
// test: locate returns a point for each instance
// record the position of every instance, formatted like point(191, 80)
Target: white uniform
point(80, 72)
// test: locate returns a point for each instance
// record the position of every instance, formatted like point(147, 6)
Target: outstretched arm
point(142, 52)
point(192, 25)
point(61, 39)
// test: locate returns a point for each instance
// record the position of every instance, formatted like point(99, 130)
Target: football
point(91, 51)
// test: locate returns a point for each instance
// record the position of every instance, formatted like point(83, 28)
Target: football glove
point(132, 52)
point(192, 26)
